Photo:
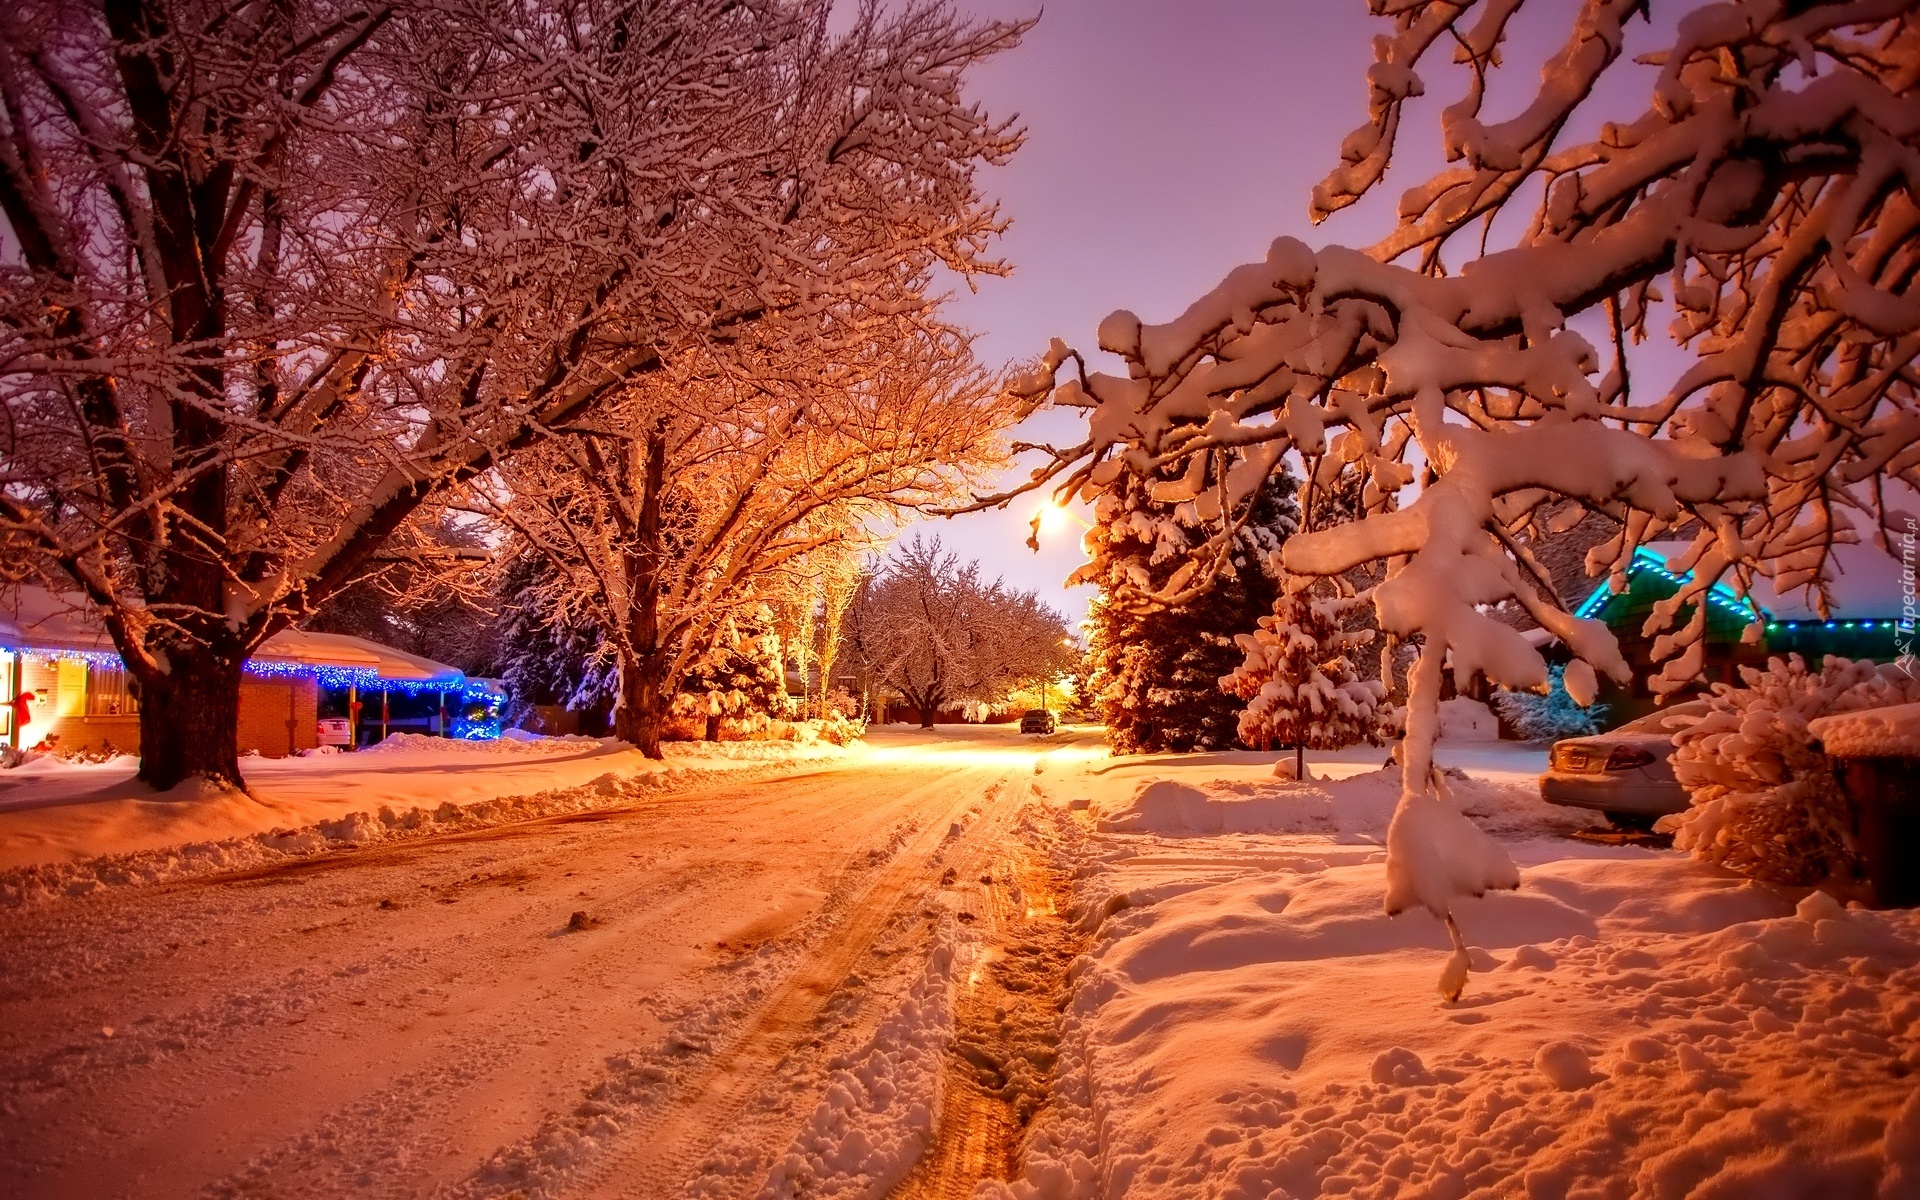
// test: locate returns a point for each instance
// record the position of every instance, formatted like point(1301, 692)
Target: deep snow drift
point(1251, 1024)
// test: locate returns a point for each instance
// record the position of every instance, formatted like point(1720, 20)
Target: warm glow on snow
point(1037, 757)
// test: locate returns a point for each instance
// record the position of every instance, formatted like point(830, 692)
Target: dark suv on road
point(1038, 720)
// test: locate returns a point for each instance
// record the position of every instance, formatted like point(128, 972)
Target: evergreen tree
point(739, 677)
point(1300, 681)
point(1155, 671)
point(542, 660)
point(1555, 715)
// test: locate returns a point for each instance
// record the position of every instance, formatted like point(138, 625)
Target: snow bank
point(1639, 1023)
point(1357, 808)
point(300, 807)
point(511, 741)
point(1874, 733)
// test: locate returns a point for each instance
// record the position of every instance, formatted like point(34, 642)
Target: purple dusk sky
point(1166, 144)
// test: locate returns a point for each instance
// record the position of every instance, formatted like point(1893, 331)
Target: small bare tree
point(935, 632)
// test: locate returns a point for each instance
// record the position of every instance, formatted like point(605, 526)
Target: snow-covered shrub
point(843, 703)
point(89, 755)
point(1299, 680)
point(1464, 719)
point(841, 730)
point(1764, 800)
point(1539, 718)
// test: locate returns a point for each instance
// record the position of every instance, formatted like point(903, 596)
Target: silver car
point(1626, 773)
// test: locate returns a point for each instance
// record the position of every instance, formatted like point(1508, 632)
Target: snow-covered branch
point(1773, 178)
point(276, 276)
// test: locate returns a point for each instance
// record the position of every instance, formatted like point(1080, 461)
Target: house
point(1863, 622)
point(301, 689)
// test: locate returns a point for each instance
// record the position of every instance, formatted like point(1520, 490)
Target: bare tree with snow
point(1770, 186)
point(274, 276)
point(699, 490)
point(932, 630)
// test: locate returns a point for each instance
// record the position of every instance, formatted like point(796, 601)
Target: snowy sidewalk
point(55, 814)
point(1250, 1024)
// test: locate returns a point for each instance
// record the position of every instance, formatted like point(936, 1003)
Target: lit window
point(108, 694)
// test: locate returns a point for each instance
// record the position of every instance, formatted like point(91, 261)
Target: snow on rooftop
point(38, 619)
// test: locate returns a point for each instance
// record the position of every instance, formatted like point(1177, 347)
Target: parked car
point(1038, 720)
point(1626, 773)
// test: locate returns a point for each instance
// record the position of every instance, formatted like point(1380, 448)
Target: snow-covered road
point(936, 960)
point(431, 1016)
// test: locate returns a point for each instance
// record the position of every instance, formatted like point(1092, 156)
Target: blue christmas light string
point(271, 668)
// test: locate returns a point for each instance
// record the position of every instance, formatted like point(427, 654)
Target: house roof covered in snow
point(38, 619)
point(1865, 584)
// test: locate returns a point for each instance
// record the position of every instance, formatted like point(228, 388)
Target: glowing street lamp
point(1054, 515)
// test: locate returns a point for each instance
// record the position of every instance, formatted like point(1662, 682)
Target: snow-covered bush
point(841, 730)
point(843, 703)
point(1464, 719)
point(1299, 679)
point(1764, 800)
point(1539, 718)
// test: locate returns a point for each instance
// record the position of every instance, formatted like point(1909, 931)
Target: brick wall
point(278, 716)
point(64, 715)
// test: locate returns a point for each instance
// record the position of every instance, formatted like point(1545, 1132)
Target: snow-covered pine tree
point(1156, 671)
point(1543, 718)
point(542, 658)
point(1298, 676)
point(738, 677)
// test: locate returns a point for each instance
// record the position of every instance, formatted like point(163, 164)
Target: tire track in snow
point(664, 1155)
point(999, 1069)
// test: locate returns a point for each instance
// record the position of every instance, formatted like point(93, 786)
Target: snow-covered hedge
point(1764, 799)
